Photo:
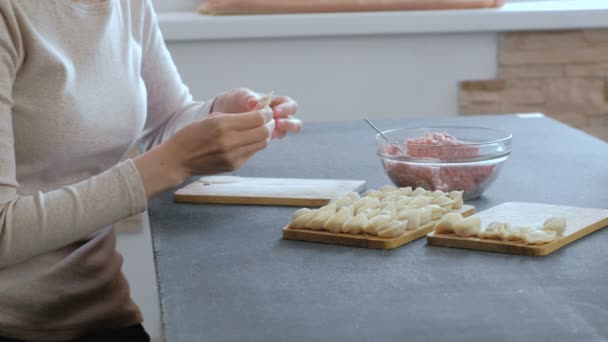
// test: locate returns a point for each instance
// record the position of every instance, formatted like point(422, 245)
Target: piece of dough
point(266, 100)
point(319, 220)
point(301, 221)
point(468, 227)
point(376, 224)
point(395, 229)
point(539, 237)
point(219, 179)
point(556, 224)
point(447, 222)
point(355, 224)
point(334, 224)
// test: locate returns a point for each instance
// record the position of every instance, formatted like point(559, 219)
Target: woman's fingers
point(290, 125)
point(243, 121)
point(283, 106)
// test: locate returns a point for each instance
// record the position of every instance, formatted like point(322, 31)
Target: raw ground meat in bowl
point(445, 158)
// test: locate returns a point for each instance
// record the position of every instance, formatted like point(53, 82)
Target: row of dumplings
point(454, 223)
point(387, 212)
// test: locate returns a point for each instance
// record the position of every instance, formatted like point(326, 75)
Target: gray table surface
point(225, 274)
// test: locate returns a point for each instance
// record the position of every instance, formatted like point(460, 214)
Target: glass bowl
point(430, 157)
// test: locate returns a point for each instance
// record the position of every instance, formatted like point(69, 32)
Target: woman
point(81, 82)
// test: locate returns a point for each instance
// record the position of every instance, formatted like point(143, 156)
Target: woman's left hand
point(242, 100)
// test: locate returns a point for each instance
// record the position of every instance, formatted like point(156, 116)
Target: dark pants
point(134, 333)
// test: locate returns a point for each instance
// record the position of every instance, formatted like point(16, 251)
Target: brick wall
point(563, 74)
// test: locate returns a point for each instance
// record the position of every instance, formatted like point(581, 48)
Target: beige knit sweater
point(79, 84)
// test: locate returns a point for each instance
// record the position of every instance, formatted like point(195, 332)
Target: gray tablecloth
point(225, 274)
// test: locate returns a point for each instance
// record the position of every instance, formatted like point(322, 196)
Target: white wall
point(335, 78)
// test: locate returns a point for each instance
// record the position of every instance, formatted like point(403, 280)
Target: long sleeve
point(170, 104)
point(31, 225)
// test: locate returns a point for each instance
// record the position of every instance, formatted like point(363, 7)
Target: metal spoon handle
point(382, 134)
point(377, 130)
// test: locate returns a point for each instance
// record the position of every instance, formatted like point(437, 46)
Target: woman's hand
point(215, 144)
point(243, 100)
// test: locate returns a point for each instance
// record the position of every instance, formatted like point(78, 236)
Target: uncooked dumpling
point(299, 212)
point(539, 237)
point(388, 206)
point(468, 227)
point(402, 201)
point(301, 221)
point(443, 202)
point(376, 224)
point(436, 193)
point(343, 202)
point(425, 215)
point(370, 213)
point(354, 195)
point(436, 211)
point(419, 202)
point(395, 229)
point(387, 188)
point(412, 216)
point(372, 194)
point(334, 224)
point(319, 220)
point(370, 202)
point(447, 222)
point(366, 207)
point(405, 191)
point(494, 230)
point(389, 196)
point(418, 192)
point(456, 196)
point(355, 224)
point(387, 213)
point(556, 224)
point(331, 207)
point(514, 233)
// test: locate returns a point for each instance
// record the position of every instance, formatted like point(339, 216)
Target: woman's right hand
point(217, 143)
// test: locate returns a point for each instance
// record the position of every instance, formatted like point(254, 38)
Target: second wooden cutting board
point(268, 191)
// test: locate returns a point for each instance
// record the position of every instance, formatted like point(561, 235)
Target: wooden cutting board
point(268, 191)
point(580, 222)
point(364, 240)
